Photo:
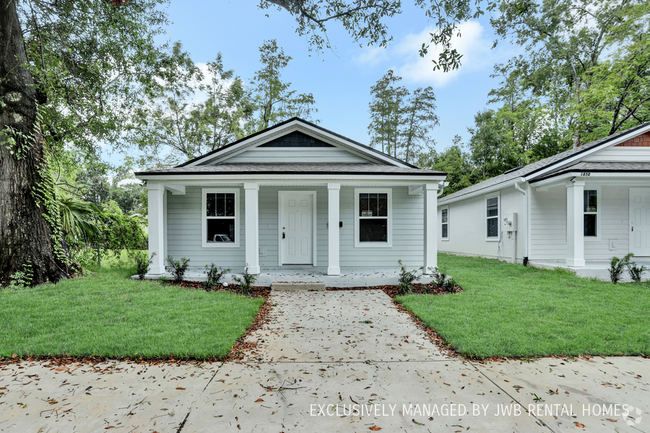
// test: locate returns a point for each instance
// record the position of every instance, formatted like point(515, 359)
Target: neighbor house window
point(373, 210)
point(492, 211)
point(444, 227)
point(591, 213)
point(220, 217)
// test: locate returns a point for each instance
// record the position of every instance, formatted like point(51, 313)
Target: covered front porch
point(327, 231)
point(584, 215)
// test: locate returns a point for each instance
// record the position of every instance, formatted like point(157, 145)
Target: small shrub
point(177, 267)
point(214, 275)
point(246, 282)
point(617, 266)
point(449, 285)
point(142, 263)
point(21, 279)
point(636, 272)
point(407, 278)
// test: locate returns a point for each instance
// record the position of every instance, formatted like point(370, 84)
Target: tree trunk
point(25, 235)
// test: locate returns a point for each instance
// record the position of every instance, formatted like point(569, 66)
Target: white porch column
point(252, 227)
point(575, 223)
point(156, 221)
point(333, 216)
point(430, 226)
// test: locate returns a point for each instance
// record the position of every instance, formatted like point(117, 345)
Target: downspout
point(525, 219)
point(442, 184)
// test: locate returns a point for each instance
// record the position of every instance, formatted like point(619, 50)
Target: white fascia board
point(581, 155)
point(503, 185)
point(284, 179)
point(562, 178)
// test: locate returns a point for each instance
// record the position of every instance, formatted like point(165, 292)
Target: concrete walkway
point(322, 356)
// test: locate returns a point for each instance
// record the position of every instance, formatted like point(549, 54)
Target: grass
point(511, 310)
point(109, 315)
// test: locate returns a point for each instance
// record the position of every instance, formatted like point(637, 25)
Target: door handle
point(283, 235)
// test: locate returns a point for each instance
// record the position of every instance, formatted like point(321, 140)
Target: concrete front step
point(298, 286)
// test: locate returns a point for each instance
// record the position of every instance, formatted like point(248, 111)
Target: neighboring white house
point(292, 196)
point(581, 206)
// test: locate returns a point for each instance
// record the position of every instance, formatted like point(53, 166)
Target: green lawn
point(512, 310)
point(109, 315)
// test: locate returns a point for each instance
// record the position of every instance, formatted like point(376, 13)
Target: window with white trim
point(591, 213)
point(220, 217)
point(372, 217)
point(444, 222)
point(492, 217)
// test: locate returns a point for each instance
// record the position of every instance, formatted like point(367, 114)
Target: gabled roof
point(290, 125)
point(599, 167)
point(534, 170)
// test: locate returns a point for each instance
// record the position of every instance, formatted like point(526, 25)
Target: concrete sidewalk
point(331, 361)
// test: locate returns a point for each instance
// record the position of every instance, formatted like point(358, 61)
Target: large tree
point(566, 42)
point(400, 120)
point(273, 98)
point(70, 73)
point(367, 21)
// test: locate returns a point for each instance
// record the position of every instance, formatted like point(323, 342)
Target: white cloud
point(372, 56)
point(474, 47)
point(403, 57)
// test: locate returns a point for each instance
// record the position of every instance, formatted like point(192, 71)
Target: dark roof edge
point(270, 128)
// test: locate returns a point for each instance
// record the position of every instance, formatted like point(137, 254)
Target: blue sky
point(340, 79)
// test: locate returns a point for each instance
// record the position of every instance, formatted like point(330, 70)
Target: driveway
point(331, 361)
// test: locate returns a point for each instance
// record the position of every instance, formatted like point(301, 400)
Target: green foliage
point(21, 279)
point(214, 274)
point(635, 271)
point(272, 98)
point(407, 278)
point(142, 262)
point(617, 266)
point(246, 281)
point(177, 267)
point(400, 121)
point(367, 22)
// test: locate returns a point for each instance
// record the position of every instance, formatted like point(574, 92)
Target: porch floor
point(353, 278)
point(593, 268)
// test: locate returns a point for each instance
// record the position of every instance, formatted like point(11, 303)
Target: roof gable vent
point(296, 139)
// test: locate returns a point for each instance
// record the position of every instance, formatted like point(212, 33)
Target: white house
point(293, 196)
point(576, 209)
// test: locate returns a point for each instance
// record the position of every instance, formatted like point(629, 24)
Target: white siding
point(468, 227)
point(269, 225)
point(184, 219)
point(184, 232)
point(296, 154)
point(623, 153)
point(408, 234)
point(548, 231)
point(614, 221)
point(548, 224)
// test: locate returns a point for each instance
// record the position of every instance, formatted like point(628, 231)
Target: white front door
point(296, 227)
point(640, 221)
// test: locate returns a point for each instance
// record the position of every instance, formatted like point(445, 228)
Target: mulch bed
point(255, 292)
point(417, 289)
